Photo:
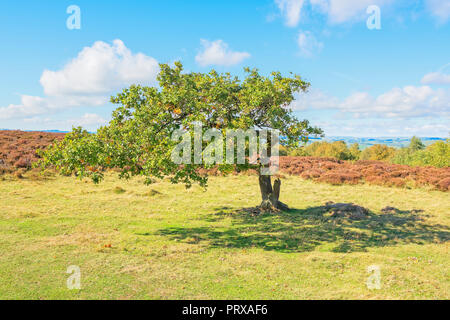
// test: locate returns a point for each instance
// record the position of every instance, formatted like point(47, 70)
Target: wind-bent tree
point(137, 141)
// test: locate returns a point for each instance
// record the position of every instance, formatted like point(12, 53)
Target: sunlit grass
point(165, 242)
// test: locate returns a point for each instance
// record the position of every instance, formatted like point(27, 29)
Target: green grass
point(165, 242)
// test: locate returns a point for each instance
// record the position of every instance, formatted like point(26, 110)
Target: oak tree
point(138, 139)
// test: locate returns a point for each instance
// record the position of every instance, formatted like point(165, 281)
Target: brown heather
point(18, 148)
point(336, 172)
point(18, 151)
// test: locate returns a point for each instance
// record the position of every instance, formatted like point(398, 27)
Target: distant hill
point(397, 142)
point(53, 131)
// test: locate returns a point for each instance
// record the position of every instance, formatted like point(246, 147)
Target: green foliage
point(138, 139)
point(79, 153)
point(436, 154)
point(283, 151)
point(336, 149)
point(378, 152)
point(416, 154)
point(403, 156)
point(416, 144)
point(298, 152)
point(355, 151)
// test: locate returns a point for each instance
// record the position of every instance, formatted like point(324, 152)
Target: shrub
point(336, 172)
point(436, 155)
point(444, 184)
point(23, 163)
point(336, 149)
point(311, 174)
point(355, 152)
point(18, 148)
point(298, 152)
point(416, 144)
point(337, 178)
point(378, 152)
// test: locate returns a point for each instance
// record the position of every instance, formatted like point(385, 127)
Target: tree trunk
point(270, 195)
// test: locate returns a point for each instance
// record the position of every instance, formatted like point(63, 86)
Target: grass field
point(165, 242)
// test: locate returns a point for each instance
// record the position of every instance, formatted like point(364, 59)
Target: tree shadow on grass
point(300, 230)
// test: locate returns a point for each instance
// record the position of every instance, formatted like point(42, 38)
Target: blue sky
point(393, 81)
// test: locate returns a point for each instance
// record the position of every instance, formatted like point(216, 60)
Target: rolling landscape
point(150, 238)
point(225, 159)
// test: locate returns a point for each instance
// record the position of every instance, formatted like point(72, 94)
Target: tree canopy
point(137, 141)
point(416, 144)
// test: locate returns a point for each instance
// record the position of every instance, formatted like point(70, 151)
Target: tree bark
point(270, 195)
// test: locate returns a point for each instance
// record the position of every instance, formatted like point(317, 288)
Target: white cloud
point(384, 128)
point(89, 121)
point(340, 11)
point(88, 80)
point(291, 10)
point(320, 5)
point(33, 105)
point(439, 8)
point(308, 44)
point(406, 103)
point(218, 53)
point(436, 78)
point(314, 99)
point(101, 69)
